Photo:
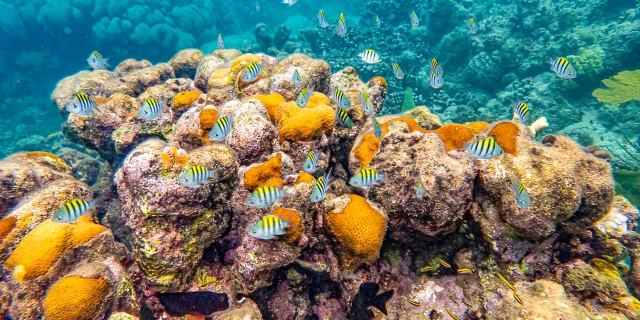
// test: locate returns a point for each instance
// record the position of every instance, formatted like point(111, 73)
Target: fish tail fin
point(215, 174)
point(289, 191)
point(380, 176)
point(328, 175)
point(380, 301)
point(551, 63)
point(467, 146)
point(91, 204)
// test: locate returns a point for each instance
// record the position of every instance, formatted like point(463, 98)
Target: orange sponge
point(304, 124)
point(505, 134)
point(43, 245)
point(305, 177)
point(454, 136)
point(6, 225)
point(184, 100)
point(76, 298)
point(295, 224)
point(271, 103)
point(262, 173)
point(360, 229)
point(207, 118)
point(477, 127)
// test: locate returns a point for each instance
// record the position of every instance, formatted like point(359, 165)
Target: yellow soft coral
point(360, 229)
point(623, 87)
point(184, 100)
point(259, 175)
point(43, 245)
point(295, 224)
point(505, 134)
point(76, 298)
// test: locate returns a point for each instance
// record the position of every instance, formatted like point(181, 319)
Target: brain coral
point(359, 228)
point(75, 298)
point(42, 247)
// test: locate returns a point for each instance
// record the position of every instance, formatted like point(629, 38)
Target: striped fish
point(521, 109)
point(311, 163)
point(221, 129)
point(72, 210)
point(420, 190)
point(303, 97)
point(341, 29)
point(296, 78)
point(343, 118)
point(81, 105)
point(506, 282)
point(196, 176)
point(97, 61)
point(562, 68)
point(435, 81)
point(264, 197)
point(397, 71)
point(471, 24)
point(515, 296)
point(369, 56)
point(378, 22)
point(484, 149)
point(451, 314)
point(341, 99)
point(366, 177)
point(268, 227)
point(414, 302)
point(320, 187)
point(322, 21)
point(377, 130)
point(365, 101)
point(464, 270)
point(522, 196)
point(414, 20)
point(436, 68)
point(427, 268)
point(152, 108)
point(251, 72)
point(444, 263)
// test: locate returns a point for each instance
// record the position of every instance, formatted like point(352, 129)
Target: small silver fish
point(81, 105)
point(484, 149)
point(435, 81)
point(320, 187)
point(220, 42)
point(471, 24)
point(196, 176)
point(370, 56)
point(251, 72)
point(341, 99)
point(341, 29)
point(562, 68)
point(522, 196)
point(72, 210)
point(322, 20)
point(420, 190)
point(268, 227)
point(521, 109)
point(366, 177)
point(303, 97)
point(258, 6)
point(397, 71)
point(97, 61)
point(290, 2)
point(264, 197)
point(365, 101)
point(311, 163)
point(414, 20)
point(377, 130)
point(436, 68)
point(344, 118)
point(221, 129)
point(152, 108)
point(296, 78)
point(378, 22)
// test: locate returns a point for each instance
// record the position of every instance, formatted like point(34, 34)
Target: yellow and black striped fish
point(251, 72)
point(370, 56)
point(471, 24)
point(268, 227)
point(435, 81)
point(522, 196)
point(341, 29)
point(515, 296)
point(506, 282)
point(366, 177)
point(321, 187)
point(451, 314)
point(97, 61)
point(195, 176)
point(414, 302)
point(397, 71)
point(311, 163)
point(151, 108)
point(436, 68)
point(427, 268)
point(562, 68)
point(322, 21)
point(444, 263)
point(521, 109)
point(303, 97)
point(221, 129)
point(264, 197)
point(484, 149)
point(343, 118)
point(341, 99)
point(464, 270)
point(72, 210)
point(81, 105)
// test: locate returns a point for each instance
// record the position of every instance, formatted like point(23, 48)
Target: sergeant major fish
point(341, 99)
point(378, 23)
point(377, 130)
point(435, 81)
point(365, 101)
point(341, 29)
point(311, 163)
point(196, 176)
point(436, 68)
point(220, 42)
point(522, 196)
point(251, 72)
point(522, 111)
point(370, 56)
point(97, 61)
point(366, 177)
point(322, 20)
point(264, 197)
point(81, 105)
point(420, 190)
point(484, 149)
point(562, 68)
point(268, 227)
point(72, 210)
point(303, 97)
point(397, 71)
point(366, 297)
point(296, 78)
point(152, 108)
point(414, 20)
point(320, 187)
point(343, 118)
point(471, 24)
point(221, 129)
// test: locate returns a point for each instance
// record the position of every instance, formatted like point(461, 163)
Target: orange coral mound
point(505, 134)
point(38, 154)
point(295, 224)
point(454, 136)
point(305, 177)
point(76, 298)
point(6, 225)
point(207, 118)
point(477, 127)
point(273, 182)
point(184, 100)
point(43, 245)
point(271, 103)
point(260, 174)
point(360, 229)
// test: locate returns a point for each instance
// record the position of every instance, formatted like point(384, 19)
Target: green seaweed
point(408, 103)
point(623, 87)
